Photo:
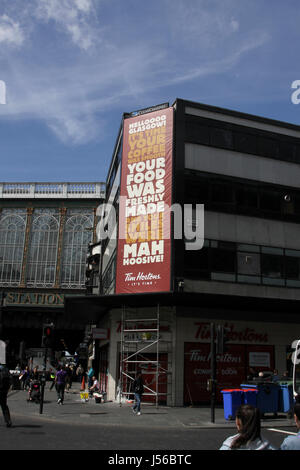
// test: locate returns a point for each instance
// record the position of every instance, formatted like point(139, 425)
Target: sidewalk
point(73, 411)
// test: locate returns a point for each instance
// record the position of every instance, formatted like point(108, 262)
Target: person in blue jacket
point(90, 375)
point(293, 442)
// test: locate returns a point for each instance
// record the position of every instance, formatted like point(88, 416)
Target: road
point(29, 433)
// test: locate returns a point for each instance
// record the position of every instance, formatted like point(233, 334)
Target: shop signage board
point(34, 299)
point(259, 359)
point(144, 241)
point(100, 333)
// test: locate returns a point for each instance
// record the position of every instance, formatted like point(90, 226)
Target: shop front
point(184, 349)
point(251, 346)
point(232, 368)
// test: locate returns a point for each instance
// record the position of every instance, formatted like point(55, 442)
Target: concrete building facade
point(245, 170)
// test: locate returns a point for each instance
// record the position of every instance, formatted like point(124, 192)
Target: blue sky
point(72, 67)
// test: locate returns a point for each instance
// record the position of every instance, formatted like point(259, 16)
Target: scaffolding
point(142, 348)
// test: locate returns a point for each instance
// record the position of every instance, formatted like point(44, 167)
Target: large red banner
point(144, 245)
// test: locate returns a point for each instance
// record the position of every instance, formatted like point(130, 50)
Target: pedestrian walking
point(60, 380)
point(24, 378)
point(52, 378)
point(90, 375)
point(69, 377)
point(293, 442)
point(34, 378)
point(4, 387)
point(249, 437)
point(79, 373)
point(138, 390)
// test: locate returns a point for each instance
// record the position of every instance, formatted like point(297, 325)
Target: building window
point(245, 143)
point(222, 193)
point(12, 238)
point(248, 263)
point(196, 264)
point(78, 233)
point(272, 268)
point(42, 251)
point(292, 268)
point(242, 197)
point(197, 132)
point(243, 263)
point(221, 138)
point(109, 275)
point(268, 147)
point(270, 201)
point(197, 192)
point(247, 198)
point(223, 261)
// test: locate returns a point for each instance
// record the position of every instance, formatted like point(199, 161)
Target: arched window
point(12, 237)
point(78, 233)
point(42, 251)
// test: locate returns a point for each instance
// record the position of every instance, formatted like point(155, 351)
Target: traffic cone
point(82, 384)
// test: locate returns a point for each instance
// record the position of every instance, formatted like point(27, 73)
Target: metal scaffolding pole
point(139, 334)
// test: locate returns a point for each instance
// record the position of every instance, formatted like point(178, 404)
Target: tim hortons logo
point(248, 335)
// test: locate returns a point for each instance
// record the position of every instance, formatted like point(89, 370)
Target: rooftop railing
point(52, 190)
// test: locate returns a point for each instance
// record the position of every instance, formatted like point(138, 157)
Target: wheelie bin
point(250, 396)
point(267, 396)
point(232, 399)
point(285, 397)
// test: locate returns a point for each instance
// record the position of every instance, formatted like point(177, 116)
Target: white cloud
point(73, 16)
point(217, 67)
point(84, 5)
point(234, 25)
point(71, 90)
point(10, 31)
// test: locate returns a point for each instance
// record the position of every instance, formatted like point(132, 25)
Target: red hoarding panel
point(144, 245)
point(232, 368)
point(197, 370)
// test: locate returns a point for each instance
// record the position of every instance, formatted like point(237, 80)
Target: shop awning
point(94, 307)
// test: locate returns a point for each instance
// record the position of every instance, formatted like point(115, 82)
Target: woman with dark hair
point(247, 421)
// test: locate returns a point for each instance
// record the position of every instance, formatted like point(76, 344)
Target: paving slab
point(74, 411)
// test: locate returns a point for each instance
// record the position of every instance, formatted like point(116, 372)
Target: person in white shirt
point(249, 436)
point(293, 442)
point(96, 386)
